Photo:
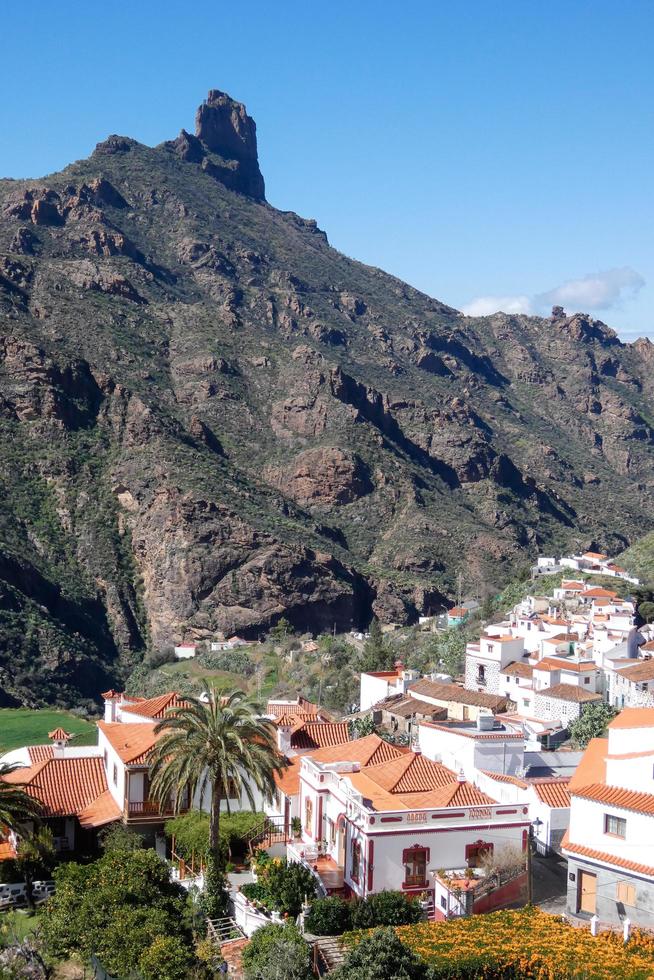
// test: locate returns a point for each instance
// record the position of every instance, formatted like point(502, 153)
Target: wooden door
point(587, 892)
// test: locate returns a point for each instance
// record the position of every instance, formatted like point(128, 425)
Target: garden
point(524, 943)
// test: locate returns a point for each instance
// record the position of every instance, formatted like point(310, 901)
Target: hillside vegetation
point(210, 419)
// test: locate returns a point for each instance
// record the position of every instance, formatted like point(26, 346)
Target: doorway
point(587, 897)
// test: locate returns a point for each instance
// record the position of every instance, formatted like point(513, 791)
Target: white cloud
point(485, 305)
point(597, 291)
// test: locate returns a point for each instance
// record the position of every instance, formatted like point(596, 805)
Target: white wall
point(587, 829)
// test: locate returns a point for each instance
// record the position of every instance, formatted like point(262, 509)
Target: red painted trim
point(390, 819)
point(502, 812)
point(410, 850)
point(488, 827)
point(525, 838)
point(446, 816)
point(319, 825)
point(371, 854)
point(415, 888)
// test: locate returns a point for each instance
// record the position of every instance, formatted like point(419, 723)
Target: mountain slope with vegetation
point(209, 419)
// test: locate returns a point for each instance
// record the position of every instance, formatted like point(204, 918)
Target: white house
point(631, 684)
point(375, 686)
point(394, 821)
point(610, 841)
point(468, 747)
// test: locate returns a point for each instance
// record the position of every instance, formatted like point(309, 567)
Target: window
point(475, 853)
point(415, 866)
point(356, 860)
point(586, 680)
point(625, 893)
point(616, 826)
point(308, 815)
point(115, 775)
point(443, 902)
point(481, 674)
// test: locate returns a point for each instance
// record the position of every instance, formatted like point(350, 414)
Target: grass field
point(24, 726)
point(15, 926)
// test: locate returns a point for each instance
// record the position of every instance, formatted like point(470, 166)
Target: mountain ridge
point(211, 419)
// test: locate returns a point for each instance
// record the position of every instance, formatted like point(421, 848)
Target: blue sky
point(494, 154)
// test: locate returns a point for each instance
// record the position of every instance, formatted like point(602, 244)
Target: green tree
point(116, 837)
point(277, 952)
point(280, 631)
point(646, 610)
point(35, 856)
point(17, 807)
point(377, 654)
point(382, 956)
point(360, 727)
point(220, 746)
point(116, 908)
point(591, 723)
point(167, 958)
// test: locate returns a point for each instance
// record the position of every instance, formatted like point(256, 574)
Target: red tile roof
point(569, 692)
point(155, 707)
point(59, 735)
point(68, 787)
point(367, 751)
point(604, 857)
point(459, 695)
point(39, 753)
point(504, 777)
point(592, 768)
point(288, 780)
point(284, 708)
point(517, 669)
point(132, 741)
point(320, 735)
point(624, 799)
point(553, 792)
point(642, 670)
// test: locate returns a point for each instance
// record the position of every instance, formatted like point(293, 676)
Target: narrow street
point(550, 884)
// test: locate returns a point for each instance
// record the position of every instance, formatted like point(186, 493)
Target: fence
point(15, 894)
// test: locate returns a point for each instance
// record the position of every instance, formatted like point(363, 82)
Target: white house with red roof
point(610, 840)
point(375, 686)
point(376, 817)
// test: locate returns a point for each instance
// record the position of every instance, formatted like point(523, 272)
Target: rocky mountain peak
point(224, 128)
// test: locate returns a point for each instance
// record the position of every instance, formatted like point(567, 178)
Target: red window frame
point(355, 873)
point(409, 859)
point(474, 851)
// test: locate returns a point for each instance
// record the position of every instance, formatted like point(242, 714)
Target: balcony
point(328, 874)
point(149, 810)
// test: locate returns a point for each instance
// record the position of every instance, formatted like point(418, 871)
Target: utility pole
point(530, 885)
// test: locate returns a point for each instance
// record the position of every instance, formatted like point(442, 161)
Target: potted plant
point(424, 899)
point(296, 827)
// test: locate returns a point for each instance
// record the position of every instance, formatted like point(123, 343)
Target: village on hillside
point(526, 780)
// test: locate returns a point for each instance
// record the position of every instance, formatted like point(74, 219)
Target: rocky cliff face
point(210, 419)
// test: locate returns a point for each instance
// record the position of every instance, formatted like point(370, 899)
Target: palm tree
point(220, 743)
point(16, 805)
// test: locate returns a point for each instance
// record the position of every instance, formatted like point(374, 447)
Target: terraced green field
point(25, 726)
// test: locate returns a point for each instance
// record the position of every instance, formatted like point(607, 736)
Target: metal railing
point(149, 808)
point(271, 830)
point(223, 930)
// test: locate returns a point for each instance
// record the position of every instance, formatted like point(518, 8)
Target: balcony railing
point(148, 808)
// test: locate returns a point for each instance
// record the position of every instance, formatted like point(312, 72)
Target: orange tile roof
point(518, 669)
point(452, 693)
point(457, 611)
point(642, 670)
point(110, 695)
point(283, 721)
point(415, 790)
point(320, 734)
point(367, 751)
point(99, 812)
point(604, 857)
point(624, 799)
point(411, 773)
point(284, 708)
point(7, 851)
point(552, 663)
point(288, 780)
point(599, 593)
point(65, 786)
point(594, 554)
point(132, 741)
point(59, 735)
point(553, 792)
point(155, 707)
point(571, 586)
point(592, 768)
point(570, 692)
point(504, 777)
point(633, 718)
point(39, 753)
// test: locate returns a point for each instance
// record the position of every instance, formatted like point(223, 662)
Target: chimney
point(284, 730)
point(461, 776)
point(111, 699)
point(58, 738)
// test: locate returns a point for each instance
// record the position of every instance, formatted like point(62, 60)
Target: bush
point(287, 885)
point(231, 661)
point(277, 951)
point(329, 917)
point(254, 891)
point(385, 909)
point(191, 833)
point(166, 959)
point(117, 837)
point(382, 956)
